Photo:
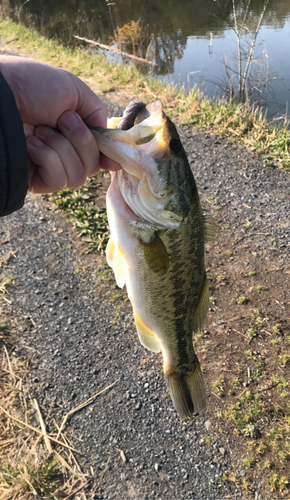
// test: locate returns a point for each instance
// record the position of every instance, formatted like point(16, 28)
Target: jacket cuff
point(13, 153)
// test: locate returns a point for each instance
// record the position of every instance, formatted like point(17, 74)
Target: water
point(188, 39)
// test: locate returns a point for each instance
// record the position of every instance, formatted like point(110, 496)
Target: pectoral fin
point(202, 306)
point(119, 266)
point(110, 252)
point(148, 337)
point(156, 256)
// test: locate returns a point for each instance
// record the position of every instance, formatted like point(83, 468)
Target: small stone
point(222, 451)
point(207, 425)
point(185, 476)
point(157, 467)
point(242, 472)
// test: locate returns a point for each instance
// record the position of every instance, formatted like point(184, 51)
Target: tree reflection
point(166, 50)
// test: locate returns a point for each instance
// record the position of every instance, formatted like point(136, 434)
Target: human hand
point(53, 105)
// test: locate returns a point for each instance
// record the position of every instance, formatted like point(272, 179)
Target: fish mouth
point(142, 151)
point(136, 149)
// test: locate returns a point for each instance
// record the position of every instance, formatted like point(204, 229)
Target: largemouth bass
point(156, 246)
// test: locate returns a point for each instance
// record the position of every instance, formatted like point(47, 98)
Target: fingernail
point(69, 121)
point(34, 141)
point(44, 131)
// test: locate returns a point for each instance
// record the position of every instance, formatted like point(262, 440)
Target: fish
point(156, 248)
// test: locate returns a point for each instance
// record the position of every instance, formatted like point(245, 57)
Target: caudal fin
point(187, 392)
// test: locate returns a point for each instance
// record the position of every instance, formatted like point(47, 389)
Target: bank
point(241, 123)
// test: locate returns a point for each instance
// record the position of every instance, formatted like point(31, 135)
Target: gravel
point(77, 353)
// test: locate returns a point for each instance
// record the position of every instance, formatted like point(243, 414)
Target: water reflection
point(172, 32)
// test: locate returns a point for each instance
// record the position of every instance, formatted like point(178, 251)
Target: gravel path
point(76, 351)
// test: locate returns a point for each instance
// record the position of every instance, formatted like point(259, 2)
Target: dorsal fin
point(202, 305)
point(210, 228)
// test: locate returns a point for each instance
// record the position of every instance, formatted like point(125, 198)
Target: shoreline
point(242, 123)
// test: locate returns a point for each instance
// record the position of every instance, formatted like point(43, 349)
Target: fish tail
point(187, 391)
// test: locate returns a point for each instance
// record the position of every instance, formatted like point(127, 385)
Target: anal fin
point(148, 337)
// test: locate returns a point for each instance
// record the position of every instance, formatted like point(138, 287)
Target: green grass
point(239, 122)
point(89, 219)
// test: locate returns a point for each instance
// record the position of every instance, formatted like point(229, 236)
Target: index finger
point(90, 107)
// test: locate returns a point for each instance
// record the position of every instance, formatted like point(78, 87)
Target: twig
point(42, 424)
point(118, 51)
point(8, 257)
point(242, 392)
point(248, 235)
point(11, 238)
point(82, 405)
point(66, 465)
point(78, 489)
point(41, 236)
point(37, 430)
point(216, 396)
point(6, 442)
point(237, 331)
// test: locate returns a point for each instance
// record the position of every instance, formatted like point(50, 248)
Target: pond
point(231, 47)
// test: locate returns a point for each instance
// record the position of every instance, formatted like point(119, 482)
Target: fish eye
point(175, 146)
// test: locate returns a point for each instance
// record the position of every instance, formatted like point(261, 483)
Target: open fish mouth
point(126, 147)
point(147, 152)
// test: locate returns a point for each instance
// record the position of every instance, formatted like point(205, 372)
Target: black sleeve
point(13, 153)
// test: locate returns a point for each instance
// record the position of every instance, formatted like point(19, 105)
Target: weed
point(236, 383)
point(284, 359)
point(276, 330)
point(212, 300)
point(273, 434)
point(277, 482)
point(249, 461)
point(218, 389)
point(261, 449)
point(251, 431)
point(251, 273)
point(262, 288)
point(246, 486)
point(283, 455)
point(242, 300)
point(251, 333)
point(230, 254)
point(267, 464)
point(115, 296)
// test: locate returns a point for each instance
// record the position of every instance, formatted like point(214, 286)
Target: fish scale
point(156, 246)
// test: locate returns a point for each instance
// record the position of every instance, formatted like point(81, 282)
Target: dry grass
point(238, 122)
point(35, 462)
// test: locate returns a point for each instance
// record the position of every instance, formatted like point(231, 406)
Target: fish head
point(156, 172)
